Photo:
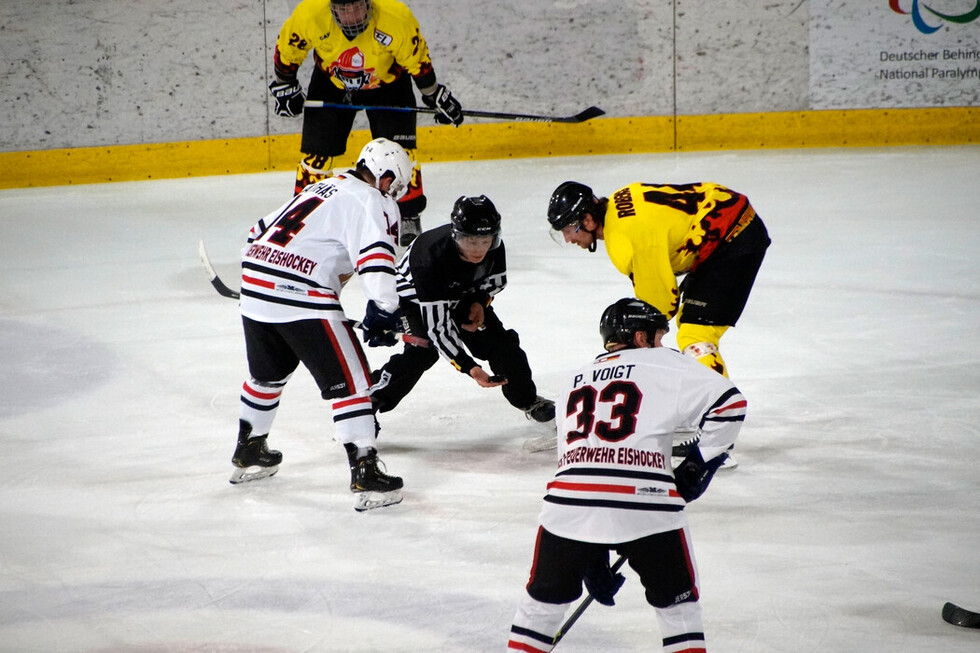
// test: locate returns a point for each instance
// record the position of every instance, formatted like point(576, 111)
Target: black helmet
point(568, 204)
point(475, 216)
point(351, 29)
point(627, 316)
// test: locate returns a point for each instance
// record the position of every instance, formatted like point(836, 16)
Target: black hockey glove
point(601, 582)
point(289, 98)
point(380, 326)
point(693, 475)
point(450, 111)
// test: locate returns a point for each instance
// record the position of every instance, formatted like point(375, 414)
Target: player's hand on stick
point(601, 582)
point(449, 108)
point(289, 98)
point(380, 326)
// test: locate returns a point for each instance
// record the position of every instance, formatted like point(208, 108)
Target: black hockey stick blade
point(216, 281)
point(582, 606)
point(958, 616)
point(588, 114)
point(582, 116)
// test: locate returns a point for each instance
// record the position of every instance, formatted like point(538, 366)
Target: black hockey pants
point(498, 346)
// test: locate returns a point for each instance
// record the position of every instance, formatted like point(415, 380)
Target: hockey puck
point(498, 378)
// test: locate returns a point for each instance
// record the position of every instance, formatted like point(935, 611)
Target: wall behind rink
point(136, 89)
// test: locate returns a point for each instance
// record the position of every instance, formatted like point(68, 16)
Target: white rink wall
point(82, 73)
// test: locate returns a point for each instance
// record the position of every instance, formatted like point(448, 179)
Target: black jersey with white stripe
point(433, 275)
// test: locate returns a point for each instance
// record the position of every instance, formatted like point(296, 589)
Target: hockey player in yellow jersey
point(365, 53)
point(654, 234)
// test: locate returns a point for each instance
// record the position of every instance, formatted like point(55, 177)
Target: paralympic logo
point(926, 28)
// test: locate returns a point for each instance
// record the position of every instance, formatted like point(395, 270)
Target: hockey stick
point(216, 281)
point(958, 616)
point(225, 291)
point(582, 116)
point(582, 606)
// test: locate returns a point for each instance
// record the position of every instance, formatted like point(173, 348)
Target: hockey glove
point(601, 582)
point(289, 98)
point(380, 326)
point(450, 111)
point(693, 475)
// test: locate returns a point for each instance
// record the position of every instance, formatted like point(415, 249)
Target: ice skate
point(252, 459)
point(548, 442)
point(410, 230)
point(730, 462)
point(684, 439)
point(542, 410)
point(372, 487)
point(680, 451)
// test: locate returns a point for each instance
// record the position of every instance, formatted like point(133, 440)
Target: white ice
point(852, 518)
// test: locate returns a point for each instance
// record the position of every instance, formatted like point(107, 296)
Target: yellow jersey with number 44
point(655, 232)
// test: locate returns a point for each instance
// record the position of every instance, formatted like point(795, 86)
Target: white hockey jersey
point(297, 259)
point(616, 423)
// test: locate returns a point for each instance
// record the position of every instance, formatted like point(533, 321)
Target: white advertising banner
point(894, 53)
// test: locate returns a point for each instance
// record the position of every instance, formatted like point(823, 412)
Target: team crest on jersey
point(382, 38)
point(349, 69)
point(650, 490)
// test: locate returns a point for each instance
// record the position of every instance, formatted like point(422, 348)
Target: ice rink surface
point(851, 519)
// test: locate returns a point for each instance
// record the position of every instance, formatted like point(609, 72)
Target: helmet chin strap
point(595, 241)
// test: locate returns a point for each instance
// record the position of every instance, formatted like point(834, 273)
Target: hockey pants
point(664, 563)
point(331, 351)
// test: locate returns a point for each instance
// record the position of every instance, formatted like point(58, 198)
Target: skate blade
point(729, 464)
point(544, 443)
point(371, 500)
point(253, 473)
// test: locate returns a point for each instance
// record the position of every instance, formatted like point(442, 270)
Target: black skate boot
point(681, 450)
point(688, 439)
point(542, 410)
point(374, 488)
point(411, 227)
point(253, 459)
